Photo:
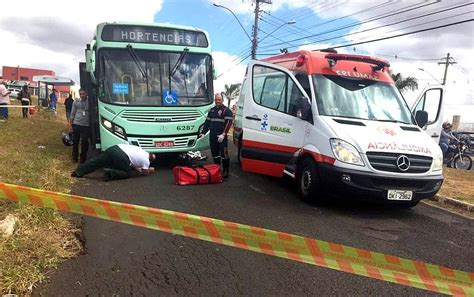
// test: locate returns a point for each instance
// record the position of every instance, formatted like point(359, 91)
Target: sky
point(53, 35)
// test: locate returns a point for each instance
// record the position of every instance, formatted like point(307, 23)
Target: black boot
point(225, 167)
point(217, 160)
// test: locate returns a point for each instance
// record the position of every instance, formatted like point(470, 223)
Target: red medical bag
point(197, 175)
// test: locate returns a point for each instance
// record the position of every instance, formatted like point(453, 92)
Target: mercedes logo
point(403, 163)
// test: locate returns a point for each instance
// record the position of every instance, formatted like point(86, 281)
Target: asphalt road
point(127, 260)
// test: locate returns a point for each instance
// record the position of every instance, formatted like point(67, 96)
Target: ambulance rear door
point(276, 115)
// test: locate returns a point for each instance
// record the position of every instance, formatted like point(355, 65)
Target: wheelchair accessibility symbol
point(170, 98)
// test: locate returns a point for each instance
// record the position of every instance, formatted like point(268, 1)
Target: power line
point(287, 29)
point(364, 20)
point(352, 14)
point(357, 23)
point(233, 66)
point(399, 57)
point(403, 34)
point(241, 49)
point(268, 34)
point(399, 22)
point(309, 12)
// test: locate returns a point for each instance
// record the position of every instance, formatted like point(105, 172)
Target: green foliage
point(231, 92)
point(405, 83)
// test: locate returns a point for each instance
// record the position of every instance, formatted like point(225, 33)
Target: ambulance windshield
point(360, 99)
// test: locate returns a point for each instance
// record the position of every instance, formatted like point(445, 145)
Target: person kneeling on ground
point(119, 162)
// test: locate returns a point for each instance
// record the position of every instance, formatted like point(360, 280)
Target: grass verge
point(458, 184)
point(32, 154)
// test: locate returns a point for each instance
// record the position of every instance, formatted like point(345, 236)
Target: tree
point(404, 83)
point(231, 92)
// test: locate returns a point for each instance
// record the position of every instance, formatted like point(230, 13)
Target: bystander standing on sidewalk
point(25, 98)
point(79, 121)
point(4, 100)
point(53, 99)
point(68, 104)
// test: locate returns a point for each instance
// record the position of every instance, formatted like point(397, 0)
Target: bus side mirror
point(90, 61)
point(214, 74)
point(421, 118)
point(304, 108)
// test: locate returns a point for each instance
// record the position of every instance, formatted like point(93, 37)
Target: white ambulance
point(338, 125)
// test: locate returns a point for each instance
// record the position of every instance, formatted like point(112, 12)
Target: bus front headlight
point(346, 152)
point(119, 130)
point(114, 128)
point(107, 124)
point(438, 163)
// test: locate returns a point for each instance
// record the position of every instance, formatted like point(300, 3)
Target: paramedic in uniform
point(218, 122)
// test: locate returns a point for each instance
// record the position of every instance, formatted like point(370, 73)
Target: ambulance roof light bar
point(378, 64)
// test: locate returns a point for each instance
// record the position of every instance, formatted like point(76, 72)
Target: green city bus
point(149, 85)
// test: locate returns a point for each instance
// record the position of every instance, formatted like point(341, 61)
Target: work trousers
point(81, 133)
point(24, 110)
point(113, 159)
point(220, 153)
point(218, 150)
point(3, 111)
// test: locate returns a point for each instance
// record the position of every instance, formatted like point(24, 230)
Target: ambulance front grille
point(388, 162)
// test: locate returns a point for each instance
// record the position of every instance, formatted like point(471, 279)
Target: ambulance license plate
point(164, 143)
point(399, 195)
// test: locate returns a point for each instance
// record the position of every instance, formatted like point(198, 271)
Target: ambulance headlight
point(346, 152)
point(438, 163)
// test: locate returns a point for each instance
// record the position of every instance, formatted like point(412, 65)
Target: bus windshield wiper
point(138, 62)
point(179, 61)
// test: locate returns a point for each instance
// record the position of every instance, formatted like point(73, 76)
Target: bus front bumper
point(163, 144)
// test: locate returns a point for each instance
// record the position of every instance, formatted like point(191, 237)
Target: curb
point(454, 202)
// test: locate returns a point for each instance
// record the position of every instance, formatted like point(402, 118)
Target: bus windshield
point(152, 78)
point(361, 99)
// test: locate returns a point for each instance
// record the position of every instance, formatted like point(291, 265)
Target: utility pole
point(255, 30)
point(255, 27)
point(447, 63)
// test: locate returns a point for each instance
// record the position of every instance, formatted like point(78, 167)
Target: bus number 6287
point(185, 128)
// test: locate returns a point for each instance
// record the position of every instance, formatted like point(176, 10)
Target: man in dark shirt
point(218, 122)
point(68, 104)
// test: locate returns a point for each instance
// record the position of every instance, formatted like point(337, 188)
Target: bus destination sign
point(154, 35)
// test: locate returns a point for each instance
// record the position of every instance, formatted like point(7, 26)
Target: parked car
point(14, 92)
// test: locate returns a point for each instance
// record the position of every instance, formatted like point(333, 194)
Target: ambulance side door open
point(431, 100)
point(275, 116)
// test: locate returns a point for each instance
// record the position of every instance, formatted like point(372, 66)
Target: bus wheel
point(308, 181)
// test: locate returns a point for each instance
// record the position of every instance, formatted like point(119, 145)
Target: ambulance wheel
point(308, 180)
